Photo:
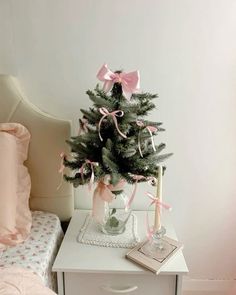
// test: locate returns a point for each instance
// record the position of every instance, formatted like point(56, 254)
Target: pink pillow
point(15, 215)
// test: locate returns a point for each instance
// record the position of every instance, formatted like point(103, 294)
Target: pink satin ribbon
point(128, 81)
point(83, 126)
point(114, 114)
point(154, 200)
point(61, 169)
point(150, 129)
point(92, 165)
point(137, 177)
point(104, 192)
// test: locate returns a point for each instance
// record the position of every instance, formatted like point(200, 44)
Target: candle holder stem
point(157, 238)
point(157, 247)
point(155, 244)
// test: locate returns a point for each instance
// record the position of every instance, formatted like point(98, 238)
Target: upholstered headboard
point(48, 137)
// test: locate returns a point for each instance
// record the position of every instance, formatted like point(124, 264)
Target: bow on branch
point(114, 114)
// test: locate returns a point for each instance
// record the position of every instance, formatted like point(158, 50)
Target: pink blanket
point(19, 281)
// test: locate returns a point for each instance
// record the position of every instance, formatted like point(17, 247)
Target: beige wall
point(185, 51)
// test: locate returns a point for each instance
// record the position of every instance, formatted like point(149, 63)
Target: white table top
point(77, 257)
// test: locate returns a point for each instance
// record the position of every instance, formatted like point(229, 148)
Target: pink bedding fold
point(19, 281)
point(15, 215)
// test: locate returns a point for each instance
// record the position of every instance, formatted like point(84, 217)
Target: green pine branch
point(117, 156)
point(99, 101)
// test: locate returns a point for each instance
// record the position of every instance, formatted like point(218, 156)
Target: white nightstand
point(92, 270)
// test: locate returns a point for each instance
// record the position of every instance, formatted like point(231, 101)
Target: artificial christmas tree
point(115, 143)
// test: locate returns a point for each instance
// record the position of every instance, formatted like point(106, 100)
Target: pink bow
point(114, 114)
point(158, 202)
point(150, 230)
point(61, 168)
point(92, 165)
point(128, 81)
point(104, 193)
point(150, 129)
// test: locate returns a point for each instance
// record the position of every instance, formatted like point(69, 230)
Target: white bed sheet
point(38, 252)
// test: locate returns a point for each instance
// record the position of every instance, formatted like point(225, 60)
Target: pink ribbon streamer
point(137, 178)
point(61, 169)
point(83, 126)
point(103, 193)
point(150, 230)
point(129, 81)
point(114, 114)
point(92, 165)
point(150, 129)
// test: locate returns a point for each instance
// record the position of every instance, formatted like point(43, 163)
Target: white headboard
point(48, 137)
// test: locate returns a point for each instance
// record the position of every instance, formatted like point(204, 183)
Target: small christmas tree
point(116, 140)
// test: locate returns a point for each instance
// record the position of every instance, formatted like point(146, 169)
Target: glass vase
point(116, 215)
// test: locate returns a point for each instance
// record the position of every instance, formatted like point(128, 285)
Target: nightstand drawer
point(105, 284)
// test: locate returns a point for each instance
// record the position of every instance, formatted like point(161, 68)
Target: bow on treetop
point(129, 81)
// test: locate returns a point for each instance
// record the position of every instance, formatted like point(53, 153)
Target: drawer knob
point(121, 290)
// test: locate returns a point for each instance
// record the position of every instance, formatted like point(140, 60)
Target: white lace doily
point(90, 234)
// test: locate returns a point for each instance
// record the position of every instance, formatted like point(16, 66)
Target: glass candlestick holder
point(157, 247)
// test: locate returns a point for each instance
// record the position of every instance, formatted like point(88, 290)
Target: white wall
point(185, 51)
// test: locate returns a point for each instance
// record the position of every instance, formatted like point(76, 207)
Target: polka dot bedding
point(38, 252)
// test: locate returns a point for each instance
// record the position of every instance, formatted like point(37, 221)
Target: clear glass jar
point(116, 214)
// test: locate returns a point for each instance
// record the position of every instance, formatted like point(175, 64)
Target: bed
point(48, 204)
